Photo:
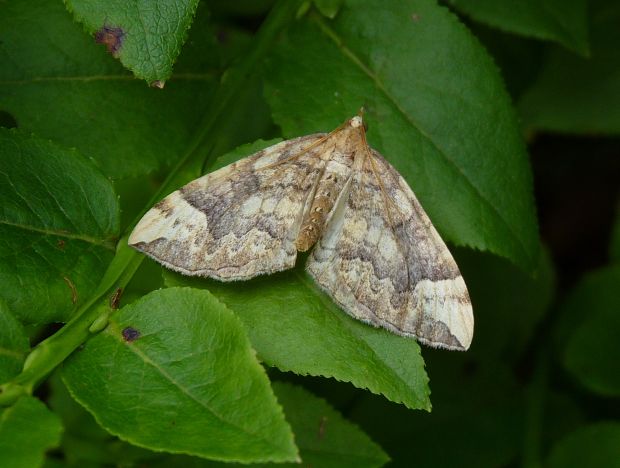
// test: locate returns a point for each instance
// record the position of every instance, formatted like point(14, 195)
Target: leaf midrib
point(348, 53)
point(108, 243)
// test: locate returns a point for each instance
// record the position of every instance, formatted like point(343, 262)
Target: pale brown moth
point(374, 249)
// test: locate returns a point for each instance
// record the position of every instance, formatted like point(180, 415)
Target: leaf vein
point(106, 243)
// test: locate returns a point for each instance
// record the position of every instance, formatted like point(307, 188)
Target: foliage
point(555, 20)
point(22, 443)
point(197, 371)
point(589, 102)
point(58, 232)
point(105, 107)
point(595, 445)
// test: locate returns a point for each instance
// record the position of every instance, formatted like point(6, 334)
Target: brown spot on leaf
point(111, 37)
point(74, 294)
point(415, 17)
point(61, 244)
point(115, 298)
point(130, 334)
point(157, 84)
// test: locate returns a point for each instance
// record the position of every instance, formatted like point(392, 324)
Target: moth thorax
point(314, 222)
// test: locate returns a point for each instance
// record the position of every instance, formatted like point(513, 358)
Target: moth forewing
point(239, 222)
point(375, 251)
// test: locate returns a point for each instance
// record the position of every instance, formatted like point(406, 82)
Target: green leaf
point(296, 327)
point(595, 446)
point(174, 372)
point(58, 221)
point(83, 440)
point(13, 344)
point(592, 325)
point(518, 58)
point(477, 418)
point(146, 38)
point(555, 20)
point(57, 82)
point(439, 112)
point(324, 437)
point(27, 430)
point(588, 102)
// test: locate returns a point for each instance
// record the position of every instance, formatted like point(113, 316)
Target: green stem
point(48, 354)
point(51, 352)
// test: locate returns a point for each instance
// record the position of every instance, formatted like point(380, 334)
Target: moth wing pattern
point(239, 221)
point(383, 262)
point(373, 248)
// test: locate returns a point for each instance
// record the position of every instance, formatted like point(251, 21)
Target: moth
point(374, 249)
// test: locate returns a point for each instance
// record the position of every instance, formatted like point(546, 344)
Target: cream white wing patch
point(375, 253)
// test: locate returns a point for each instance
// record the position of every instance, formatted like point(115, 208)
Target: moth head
point(356, 121)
